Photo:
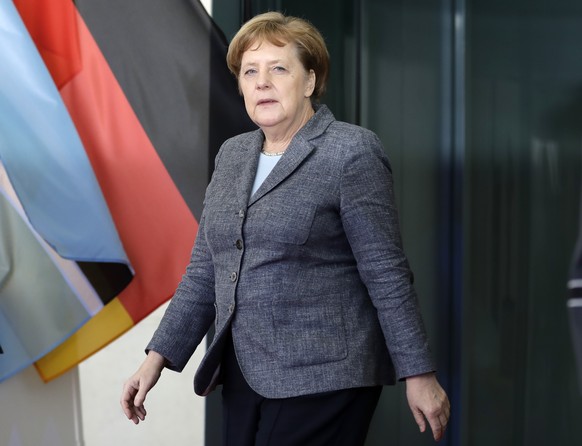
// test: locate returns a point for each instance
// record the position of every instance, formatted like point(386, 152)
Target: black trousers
point(339, 418)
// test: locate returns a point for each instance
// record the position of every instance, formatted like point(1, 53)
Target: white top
point(266, 164)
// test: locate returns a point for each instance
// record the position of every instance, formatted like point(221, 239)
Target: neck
point(277, 140)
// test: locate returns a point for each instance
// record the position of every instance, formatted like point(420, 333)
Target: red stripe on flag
point(52, 25)
point(155, 225)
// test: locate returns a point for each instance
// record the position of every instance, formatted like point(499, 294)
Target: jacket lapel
point(250, 149)
point(294, 155)
point(299, 149)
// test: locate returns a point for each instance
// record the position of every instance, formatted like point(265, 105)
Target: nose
point(263, 81)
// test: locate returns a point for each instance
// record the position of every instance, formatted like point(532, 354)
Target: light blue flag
point(43, 154)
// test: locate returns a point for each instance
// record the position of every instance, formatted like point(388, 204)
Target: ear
point(310, 86)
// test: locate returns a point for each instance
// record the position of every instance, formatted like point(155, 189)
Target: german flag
point(147, 90)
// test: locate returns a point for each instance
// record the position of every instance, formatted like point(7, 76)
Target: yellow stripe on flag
point(112, 321)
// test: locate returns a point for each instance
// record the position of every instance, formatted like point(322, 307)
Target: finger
point(129, 412)
point(132, 411)
point(140, 397)
point(127, 406)
point(141, 412)
point(135, 414)
point(135, 419)
point(444, 421)
point(419, 418)
point(438, 427)
point(138, 403)
point(447, 408)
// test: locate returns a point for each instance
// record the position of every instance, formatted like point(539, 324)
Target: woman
point(298, 262)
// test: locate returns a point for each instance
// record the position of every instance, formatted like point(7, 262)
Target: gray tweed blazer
point(308, 273)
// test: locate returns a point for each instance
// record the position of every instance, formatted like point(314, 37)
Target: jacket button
point(231, 308)
point(241, 213)
point(239, 244)
point(233, 276)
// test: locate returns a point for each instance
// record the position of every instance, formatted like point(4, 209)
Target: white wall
point(33, 413)
point(175, 412)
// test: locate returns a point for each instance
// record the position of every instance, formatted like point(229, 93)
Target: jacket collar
point(299, 148)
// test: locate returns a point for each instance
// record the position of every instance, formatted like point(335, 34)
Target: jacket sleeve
point(370, 219)
point(191, 310)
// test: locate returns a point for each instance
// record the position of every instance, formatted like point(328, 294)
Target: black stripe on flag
point(169, 58)
point(107, 278)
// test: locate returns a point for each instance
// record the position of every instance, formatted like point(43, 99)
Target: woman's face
point(275, 86)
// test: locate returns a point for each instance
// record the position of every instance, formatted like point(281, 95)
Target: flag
point(57, 238)
point(146, 86)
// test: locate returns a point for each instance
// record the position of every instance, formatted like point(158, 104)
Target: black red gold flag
point(146, 87)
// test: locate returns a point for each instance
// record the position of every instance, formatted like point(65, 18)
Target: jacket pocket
point(288, 223)
point(309, 330)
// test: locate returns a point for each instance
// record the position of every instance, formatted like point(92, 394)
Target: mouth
point(266, 102)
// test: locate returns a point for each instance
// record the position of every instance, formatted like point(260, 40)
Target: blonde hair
point(280, 30)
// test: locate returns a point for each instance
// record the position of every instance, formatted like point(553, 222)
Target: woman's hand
point(136, 388)
point(427, 398)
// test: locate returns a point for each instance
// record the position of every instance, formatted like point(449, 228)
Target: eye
point(249, 72)
point(279, 69)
